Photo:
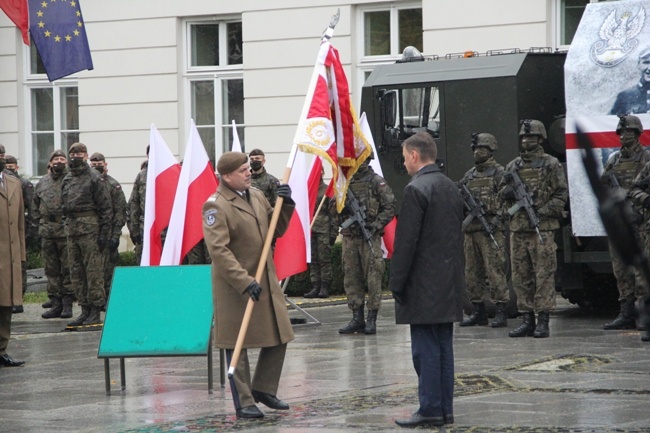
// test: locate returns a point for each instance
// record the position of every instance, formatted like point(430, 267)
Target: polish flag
point(18, 12)
point(162, 179)
point(196, 184)
point(293, 250)
point(388, 239)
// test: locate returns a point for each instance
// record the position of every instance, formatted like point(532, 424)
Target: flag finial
point(329, 31)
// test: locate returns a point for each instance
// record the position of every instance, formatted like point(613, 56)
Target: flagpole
point(329, 32)
point(261, 265)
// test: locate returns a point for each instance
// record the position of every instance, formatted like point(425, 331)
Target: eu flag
point(58, 31)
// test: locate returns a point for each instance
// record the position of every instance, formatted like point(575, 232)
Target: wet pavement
point(582, 379)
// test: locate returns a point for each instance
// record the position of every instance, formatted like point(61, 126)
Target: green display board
point(158, 311)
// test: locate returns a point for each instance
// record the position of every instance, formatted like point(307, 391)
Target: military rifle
point(523, 200)
point(613, 180)
point(476, 210)
point(358, 216)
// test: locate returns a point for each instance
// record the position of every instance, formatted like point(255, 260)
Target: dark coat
point(235, 231)
point(427, 267)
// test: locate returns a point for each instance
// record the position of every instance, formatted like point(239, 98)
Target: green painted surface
point(158, 311)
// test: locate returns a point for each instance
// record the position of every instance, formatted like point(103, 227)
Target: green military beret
point(97, 157)
point(78, 148)
point(10, 159)
point(56, 153)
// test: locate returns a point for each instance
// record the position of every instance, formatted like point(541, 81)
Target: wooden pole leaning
point(261, 266)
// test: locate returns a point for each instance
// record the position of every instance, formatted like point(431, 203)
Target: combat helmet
point(532, 127)
point(484, 139)
point(627, 121)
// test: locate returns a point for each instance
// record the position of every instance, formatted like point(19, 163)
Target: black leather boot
point(371, 323)
point(357, 324)
point(313, 293)
point(94, 318)
point(625, 318)
point(645, 335)
point(55, 311)
point(527, 327)
point(85, 312)
point(478, 316)
point(66, 313)
point(47, 304)
point(541, 331)
point(501, 317)
point(324, 290)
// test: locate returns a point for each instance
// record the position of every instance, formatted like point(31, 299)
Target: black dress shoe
point(449, 419)
point(269, 400)
point(250, 412)
point(416, 419)
point(8, 361)
point(17, 309)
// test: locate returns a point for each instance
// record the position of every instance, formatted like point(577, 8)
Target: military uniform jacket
point(86, 203)
point(544, 178)
point(640, 191)
point(118, 203)
point(12, 242)
point(135, 220)
point(267, 183)
point(483, 182)
point(324, 222)
point(234, 230)
point(28, 195)
point(47, 206)
point(377, 200)
point(633, 100)
point(428, 266)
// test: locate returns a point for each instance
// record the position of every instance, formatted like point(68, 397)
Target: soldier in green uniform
point(198, 255)
point(621, 170)
point(362, 259)
point(31, 236)
point(324, 231)
point(261, 179)
point(88, 215)
point(485, 256)
point(118, 203)
point(533, 249)
point(135, 220)
point(48, 216)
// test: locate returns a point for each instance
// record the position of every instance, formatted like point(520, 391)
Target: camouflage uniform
point(88, 215)
point(628, 170)
point(267, 183)
point(534, 261)
point(362, 266)
point(324, 232)
point(485, 263)
point(135, 220)
point(198, 255)
point(48, 217)
point(118, 204)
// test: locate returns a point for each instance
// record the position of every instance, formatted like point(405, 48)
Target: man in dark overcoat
point(235, 224)
point(427, 277)
point(12, 252)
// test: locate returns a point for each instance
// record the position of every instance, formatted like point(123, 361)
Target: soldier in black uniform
point(636, 99)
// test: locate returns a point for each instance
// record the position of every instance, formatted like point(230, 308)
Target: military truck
point(453, 97)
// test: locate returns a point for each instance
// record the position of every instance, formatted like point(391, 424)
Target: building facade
point(165, 62)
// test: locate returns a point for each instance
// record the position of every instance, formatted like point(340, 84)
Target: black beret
point(255, 152)
point(78, 148)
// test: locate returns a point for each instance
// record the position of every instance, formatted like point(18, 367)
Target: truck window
point(417, 109)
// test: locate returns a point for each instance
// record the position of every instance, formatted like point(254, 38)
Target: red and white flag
point(388, 239)
point(18, 12)
point(162, 179)
point(293, 250)
point(196, 184)
point(329, 126)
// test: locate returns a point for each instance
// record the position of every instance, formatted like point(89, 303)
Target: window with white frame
point(215, 82)
point(569, 15)
point(386, 31)
point(53, 120)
